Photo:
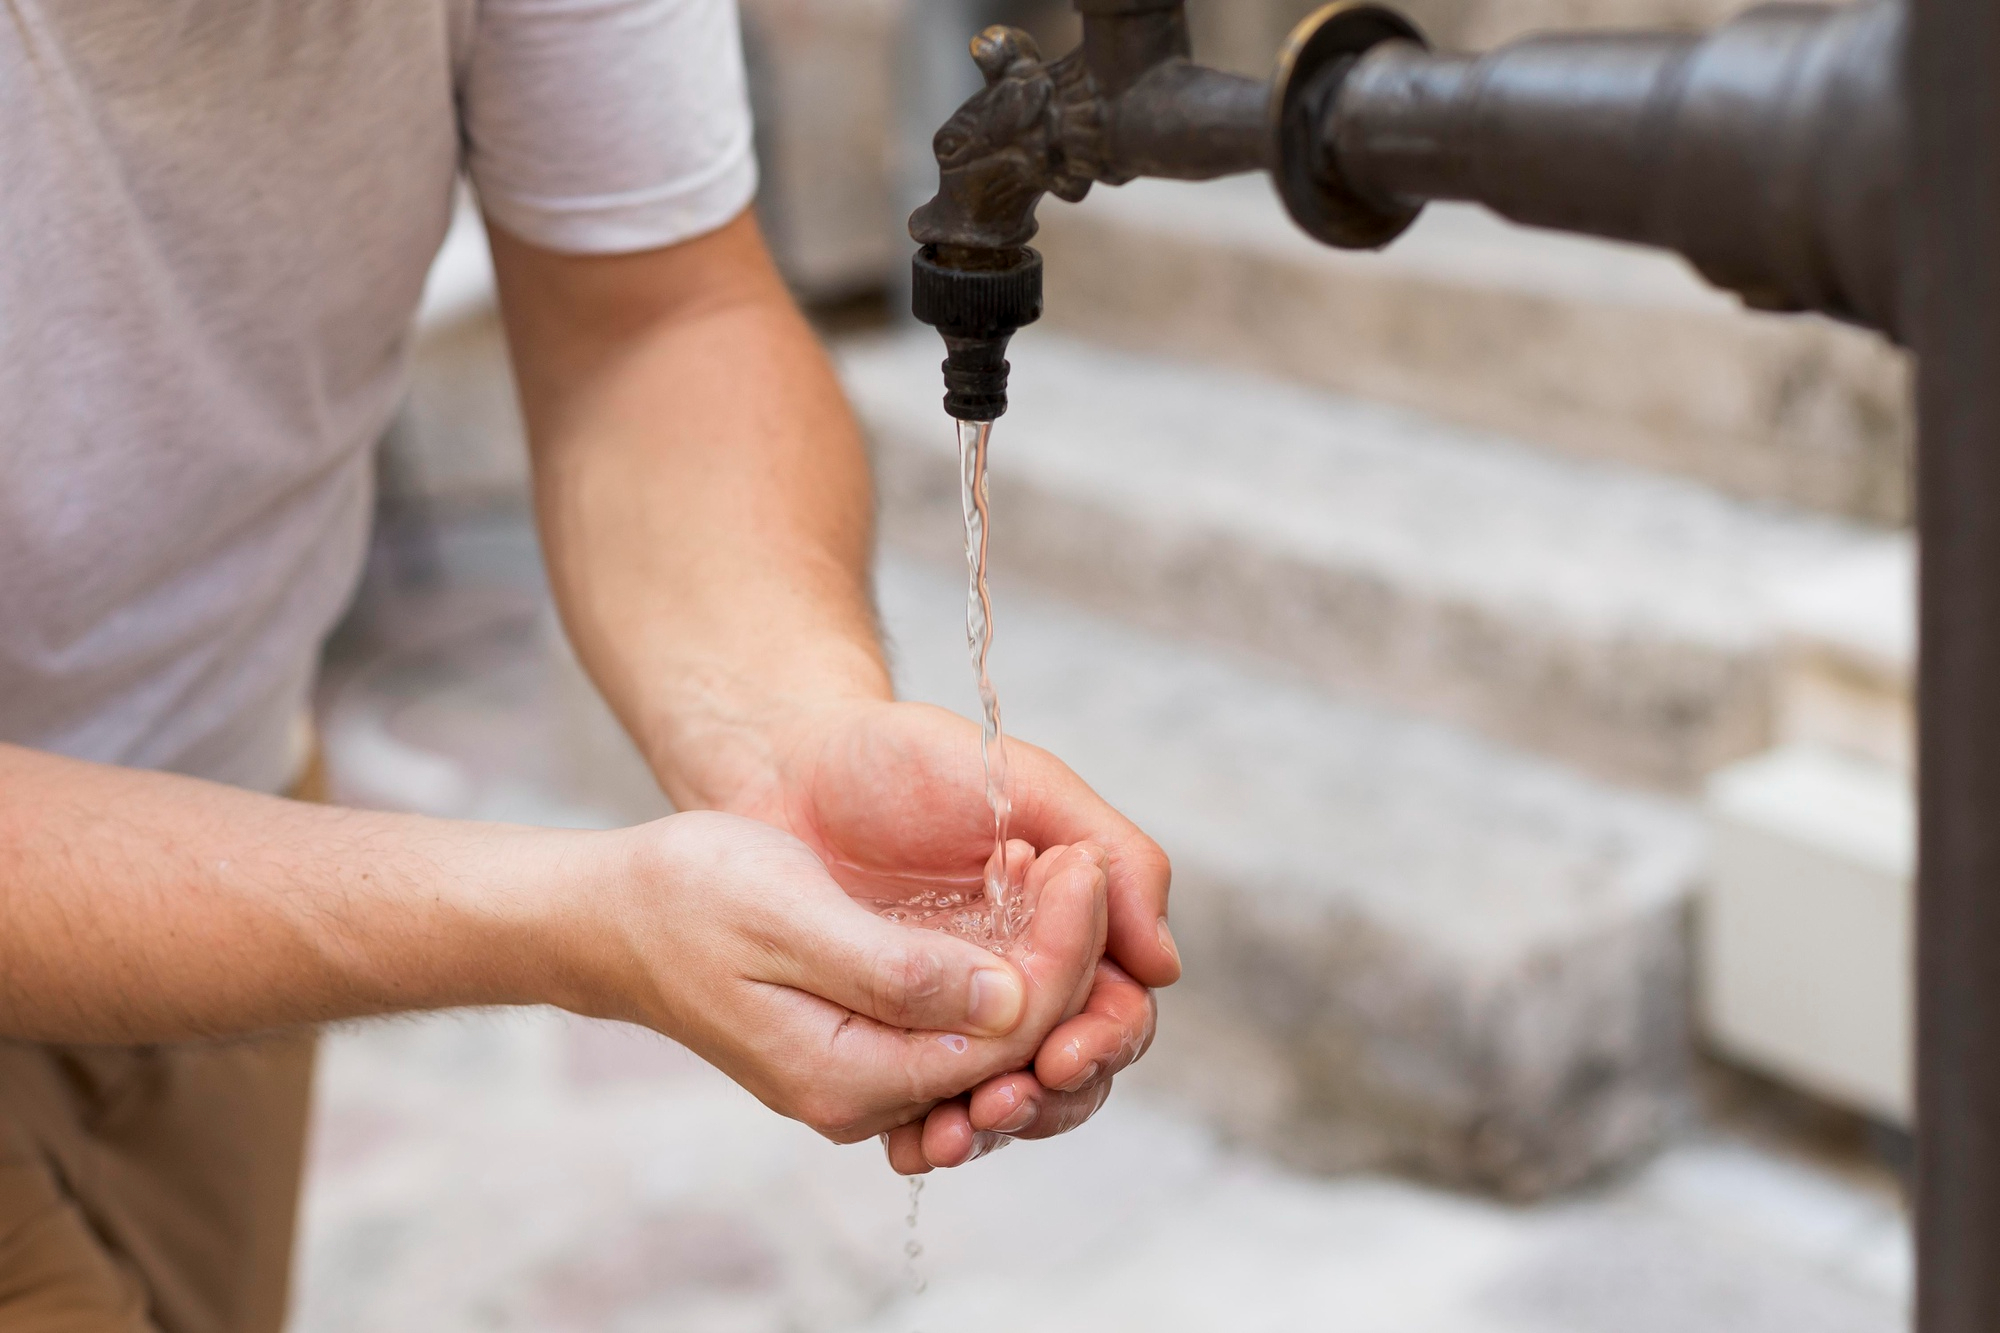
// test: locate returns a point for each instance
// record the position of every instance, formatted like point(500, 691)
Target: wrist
point(544, 909)
point(730, 741)
point(602, 920)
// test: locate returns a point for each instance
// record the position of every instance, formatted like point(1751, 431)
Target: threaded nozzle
point(977, 308)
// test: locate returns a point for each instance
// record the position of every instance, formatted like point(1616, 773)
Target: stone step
point(1405, 946)
point(1587, 347)
point(1245, 34)
point(537, 1171)
point(1612, 618)
point(1474, 25)
point(1849, 662)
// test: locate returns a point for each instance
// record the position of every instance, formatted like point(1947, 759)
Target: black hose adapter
point(977, 306)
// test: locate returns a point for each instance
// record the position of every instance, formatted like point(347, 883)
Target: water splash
point(973, 439)
point(913, 1248)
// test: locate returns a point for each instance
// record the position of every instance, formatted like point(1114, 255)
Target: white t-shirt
point(215, 221)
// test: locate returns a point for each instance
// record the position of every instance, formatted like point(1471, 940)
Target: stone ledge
point(1849, 658)
point(1244, 35)
point(1598, 350)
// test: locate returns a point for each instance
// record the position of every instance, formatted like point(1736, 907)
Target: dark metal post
point(1954, 320)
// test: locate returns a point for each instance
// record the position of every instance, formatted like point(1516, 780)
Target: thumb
point(898, 975)
point(1057, 959)
point(1066, 935)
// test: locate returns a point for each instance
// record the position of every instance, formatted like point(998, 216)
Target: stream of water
point(1005, 915)
point(1001, 901)
point(984, 906)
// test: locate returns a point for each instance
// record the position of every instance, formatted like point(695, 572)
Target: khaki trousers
point(152, 1189)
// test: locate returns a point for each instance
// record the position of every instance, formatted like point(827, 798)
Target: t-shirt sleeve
point(607, 126)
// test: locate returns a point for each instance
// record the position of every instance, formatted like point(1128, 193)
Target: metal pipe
point(1184, 121)
point(1768, 152)
point(1557, 131)
point(1954, 320)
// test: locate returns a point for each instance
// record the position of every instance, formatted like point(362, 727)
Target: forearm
point(705, 504)
point(140, 906)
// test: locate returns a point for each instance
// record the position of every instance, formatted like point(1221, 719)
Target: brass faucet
point(1769, 152)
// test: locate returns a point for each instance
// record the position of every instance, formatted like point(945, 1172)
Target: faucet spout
point(1128, 102)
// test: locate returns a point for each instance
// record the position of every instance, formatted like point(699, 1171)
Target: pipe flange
point(1311, 68)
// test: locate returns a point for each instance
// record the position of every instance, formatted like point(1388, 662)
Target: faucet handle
point(999, 49)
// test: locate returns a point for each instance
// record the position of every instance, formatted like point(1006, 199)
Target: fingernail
point(1024, 1115)
point(1089, 1073)
point(1167, 941)
point(1092, 873)
point(995, 1002)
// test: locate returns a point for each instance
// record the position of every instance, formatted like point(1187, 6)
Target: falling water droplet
point(913, 1249)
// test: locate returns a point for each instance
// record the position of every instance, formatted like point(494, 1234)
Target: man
point(216, 221)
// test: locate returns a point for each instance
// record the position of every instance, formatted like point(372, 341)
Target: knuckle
point(832, 1118)
point(906, 979)
point(848, 1134)
point(1080, 1107)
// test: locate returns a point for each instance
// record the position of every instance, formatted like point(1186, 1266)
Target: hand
point(892, 798)
point(731, 937)
point(1064, 1089)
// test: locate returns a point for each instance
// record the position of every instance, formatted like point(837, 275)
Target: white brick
point(1806, 943)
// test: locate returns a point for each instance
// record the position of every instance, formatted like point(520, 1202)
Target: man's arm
point(703, 495)
point(141, 907)
point(705, 503)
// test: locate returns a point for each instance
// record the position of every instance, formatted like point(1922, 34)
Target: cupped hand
point(732, 937)
point(892, 798)
point(1069, 1083)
